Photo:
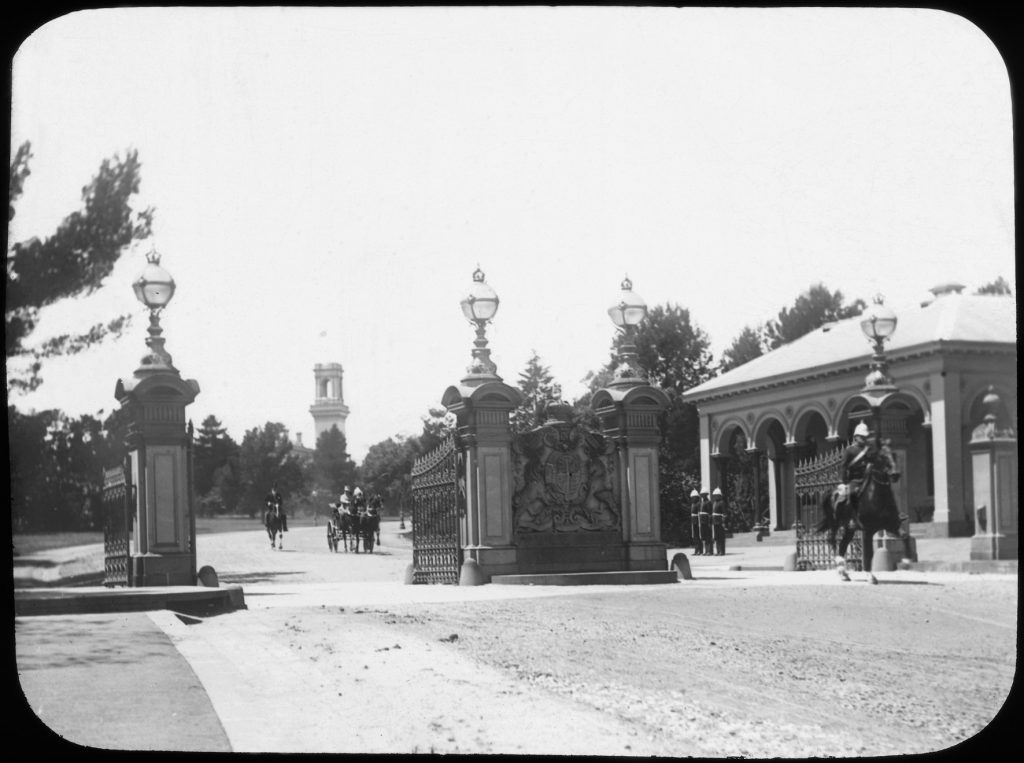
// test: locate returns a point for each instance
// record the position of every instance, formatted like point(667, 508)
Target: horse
point(273, 520)
point(876, 510)
point(369, 526)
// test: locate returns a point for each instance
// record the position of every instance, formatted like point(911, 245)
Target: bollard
point(471, 573)
point(207, 577)
point(883, 561)
point(789, 565)
point(682, 567)
point(409, 573)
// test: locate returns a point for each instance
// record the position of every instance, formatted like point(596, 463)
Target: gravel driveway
point(757, 664)
point(335, 654)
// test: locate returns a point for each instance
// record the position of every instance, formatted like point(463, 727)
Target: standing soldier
point(718, 521)
point(695, 522)
point(705, 525)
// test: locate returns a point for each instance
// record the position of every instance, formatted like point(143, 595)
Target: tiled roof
point(952, 318)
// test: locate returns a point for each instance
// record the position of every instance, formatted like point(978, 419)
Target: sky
point(326, 180)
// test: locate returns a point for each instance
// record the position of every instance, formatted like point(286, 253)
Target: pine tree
point(539, 388)
point(71, 263)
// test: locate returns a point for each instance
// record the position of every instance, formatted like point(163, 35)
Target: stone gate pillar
point(993, 448)
point(481, 408)
point(629, 416)
point(163, 536)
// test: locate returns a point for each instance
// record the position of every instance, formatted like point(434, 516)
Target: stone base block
point(162, 570)
point(900, 548)
point(571, 552)
point(647, 556)
point(985, 547)
point(621, 577)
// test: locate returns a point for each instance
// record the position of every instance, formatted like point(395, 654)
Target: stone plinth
point(163, 526)
point(629, 416)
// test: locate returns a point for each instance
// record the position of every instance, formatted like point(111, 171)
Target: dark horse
point(875, 511)
point(369, 528)
point(274, 522)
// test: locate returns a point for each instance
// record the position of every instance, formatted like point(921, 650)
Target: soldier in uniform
point(856, 458)
point(695, 522)
point(705, 524)
point(718, 521)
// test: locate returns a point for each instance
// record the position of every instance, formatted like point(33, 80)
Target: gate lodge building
point(800, 400)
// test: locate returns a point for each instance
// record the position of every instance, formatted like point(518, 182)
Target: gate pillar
point(481, 408)
point(159, 450)
point(993, 449)
point(629, 416)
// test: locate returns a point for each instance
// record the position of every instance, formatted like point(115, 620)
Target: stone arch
point(973, 411)
point(765, 435)
point(811, 429)
point(843, 422)
point(915, 399)
point(722, 436)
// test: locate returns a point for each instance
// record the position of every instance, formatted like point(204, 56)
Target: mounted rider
point(857, 458)
point(275, 505)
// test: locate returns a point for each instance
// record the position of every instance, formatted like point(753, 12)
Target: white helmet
point(718, 492)
point(861, 429)
point(694, 493)
point(357, 491)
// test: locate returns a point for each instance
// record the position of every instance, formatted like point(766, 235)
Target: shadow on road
point(256, 577)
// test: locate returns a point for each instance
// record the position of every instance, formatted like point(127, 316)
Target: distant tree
point(333, 468)
point(437, 425)
point(748, 345)
point(811, 310)
point(226, 494)
point(387, 469)
point(71, 263)
point(998, 288)
point(538, 387)
point(213, 448)
point(265, 457)
point(56, 468)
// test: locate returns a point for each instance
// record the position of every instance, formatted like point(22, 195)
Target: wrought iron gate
point(438, 504)
point(118, 495)
point(815, 478)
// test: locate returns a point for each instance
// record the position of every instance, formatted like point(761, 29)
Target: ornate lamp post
point(154, 288)
point(479, 307)
point(627, 313)
point(163, 549)
point(878, 324)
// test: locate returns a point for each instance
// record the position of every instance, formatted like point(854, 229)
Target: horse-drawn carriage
point(352, 525)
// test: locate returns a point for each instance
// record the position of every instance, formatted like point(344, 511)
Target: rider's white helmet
point(861, 430)
point(717, 491)
point(694, 493)
point(358, 491)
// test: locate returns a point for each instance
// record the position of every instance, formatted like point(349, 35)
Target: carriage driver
point(345, 500)
point(274, 500)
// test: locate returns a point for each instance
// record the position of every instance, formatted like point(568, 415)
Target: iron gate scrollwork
point(816, 477)
point(118, 495)
point(438, 504)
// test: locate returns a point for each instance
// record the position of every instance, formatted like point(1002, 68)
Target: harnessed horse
point(875, 510)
